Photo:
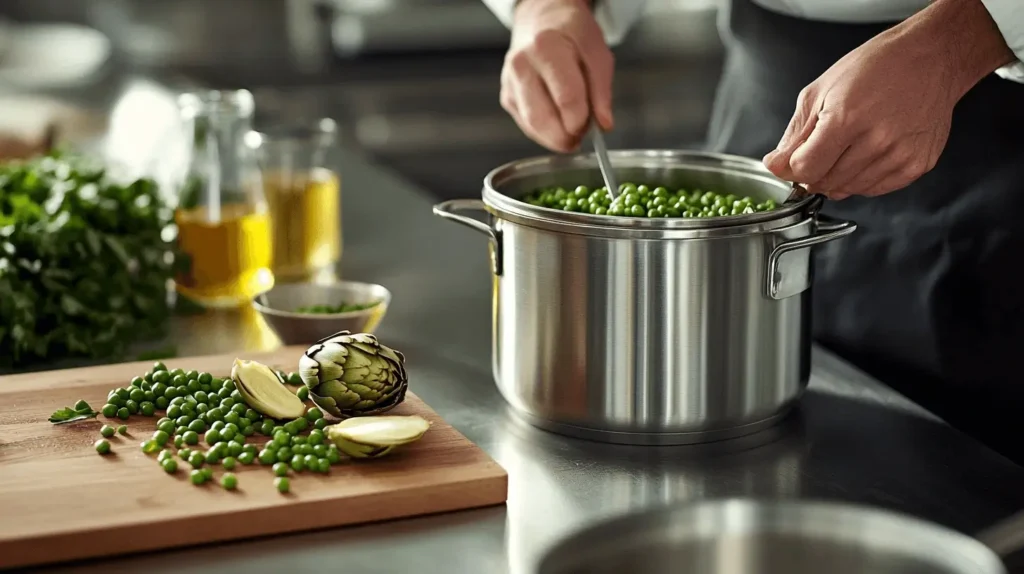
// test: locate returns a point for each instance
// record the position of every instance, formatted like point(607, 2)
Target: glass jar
point(222, 215)
point(303, 189)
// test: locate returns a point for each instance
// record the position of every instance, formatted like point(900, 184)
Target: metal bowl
point(738, 536)
point(278, 308)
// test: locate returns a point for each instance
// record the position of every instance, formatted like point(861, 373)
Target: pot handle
point(449, 210)
point(828, 229)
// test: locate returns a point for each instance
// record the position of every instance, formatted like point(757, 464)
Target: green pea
point(107, 431)
point(302, 393)
point(252, 416)
point(310, 461)
point(169, 465)
point(298, 439)
point(197, 476)
point(271, 446)
point(284, 454)
point(123, 429)
point(179, 441)
point(161, 437)
point(232, 417)
point(313, 414)
point(294, 379)
point(225, 395)
point(201, 396)
point(333, 455)
point(171, 393)
point(102, 446)
point(192, 375)
point(323, 465)
point(147, 408)
point(228, 433)
point(320, 450)
point(184, 453)
point(193, 386)
point(182, 390)
point(228, 481)
point(123, 413)
point(282, 484)
point(234, 448)
point(109, 410)
point(316, 437)
point(196, 459)
point(297, 463)
point(163, 455)
point(212, 436)
point(246, 458)
point(267, 457)
point(248, 430)
point(149, 446)
point(137, 382)
point(190, 437)
point(301, 423)
point(266, 427)
point(197, 425)
point(116, 400)
point(212, 456)
point(179, 430)
point(161, 403)
point(132, 406)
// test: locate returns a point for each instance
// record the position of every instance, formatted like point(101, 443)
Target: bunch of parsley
point(85, 262)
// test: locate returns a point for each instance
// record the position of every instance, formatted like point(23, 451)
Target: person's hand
point(557, 66)
point(879, 118)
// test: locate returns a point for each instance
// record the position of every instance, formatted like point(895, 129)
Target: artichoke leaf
point(360, 375)
point(263, 390)
point(376, 436)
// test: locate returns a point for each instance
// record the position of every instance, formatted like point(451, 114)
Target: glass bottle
point(303, 189)
point(222, 215)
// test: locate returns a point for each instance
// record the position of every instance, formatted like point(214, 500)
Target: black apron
point(928, 294)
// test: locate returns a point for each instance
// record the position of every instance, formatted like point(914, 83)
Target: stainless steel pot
point(649, 331)
point(742, 536)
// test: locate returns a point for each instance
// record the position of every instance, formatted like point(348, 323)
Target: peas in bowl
point(647, 201)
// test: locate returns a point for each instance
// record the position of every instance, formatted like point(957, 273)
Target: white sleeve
point(1009, 17)
point(615, 17)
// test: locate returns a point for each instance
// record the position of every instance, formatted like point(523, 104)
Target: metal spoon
point(601, 150)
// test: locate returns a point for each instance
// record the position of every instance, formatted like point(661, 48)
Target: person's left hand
point(872, 123)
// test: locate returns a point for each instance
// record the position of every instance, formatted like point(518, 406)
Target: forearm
point(964, 35)
point(616, 17)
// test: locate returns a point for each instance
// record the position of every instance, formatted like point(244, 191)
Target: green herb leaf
point(80, 411)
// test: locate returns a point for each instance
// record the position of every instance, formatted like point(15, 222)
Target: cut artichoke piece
point(376, 436)
point(353, 375)
point(263, 390)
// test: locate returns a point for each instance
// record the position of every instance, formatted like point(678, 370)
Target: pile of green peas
point(644, 201)
point(200, 408)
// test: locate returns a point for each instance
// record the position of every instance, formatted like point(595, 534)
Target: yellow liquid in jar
point(306, 221)
point(230, 259)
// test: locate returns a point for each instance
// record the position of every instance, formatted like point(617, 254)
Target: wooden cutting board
point(60, 500)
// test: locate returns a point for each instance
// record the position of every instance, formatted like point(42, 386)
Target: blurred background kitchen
point(412, 83)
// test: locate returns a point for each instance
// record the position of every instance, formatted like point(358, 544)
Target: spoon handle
point(601, 150)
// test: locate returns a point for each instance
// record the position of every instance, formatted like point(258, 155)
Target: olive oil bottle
point(304, 195)
point(223, 220)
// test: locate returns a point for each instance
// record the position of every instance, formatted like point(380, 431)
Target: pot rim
point(513, 209)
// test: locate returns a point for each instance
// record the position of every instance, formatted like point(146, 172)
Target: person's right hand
point(558, 66)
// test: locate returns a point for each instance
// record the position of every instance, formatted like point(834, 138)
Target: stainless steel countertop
point(853, 439)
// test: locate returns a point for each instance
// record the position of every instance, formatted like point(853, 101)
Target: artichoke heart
point(263, 390)
point(353, 375)
point(376, 436)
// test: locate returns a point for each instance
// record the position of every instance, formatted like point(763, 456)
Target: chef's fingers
point(813, 158)
point(554, 58)
point(800, 127)
point(599, 65)
point(537, 115)
point(865, 182)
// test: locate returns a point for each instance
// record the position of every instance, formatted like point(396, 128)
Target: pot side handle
point(449, 210)
point(828, 229)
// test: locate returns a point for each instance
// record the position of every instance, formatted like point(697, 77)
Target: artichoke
point(374, 437)
point(263, 391)
point(353, 375)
